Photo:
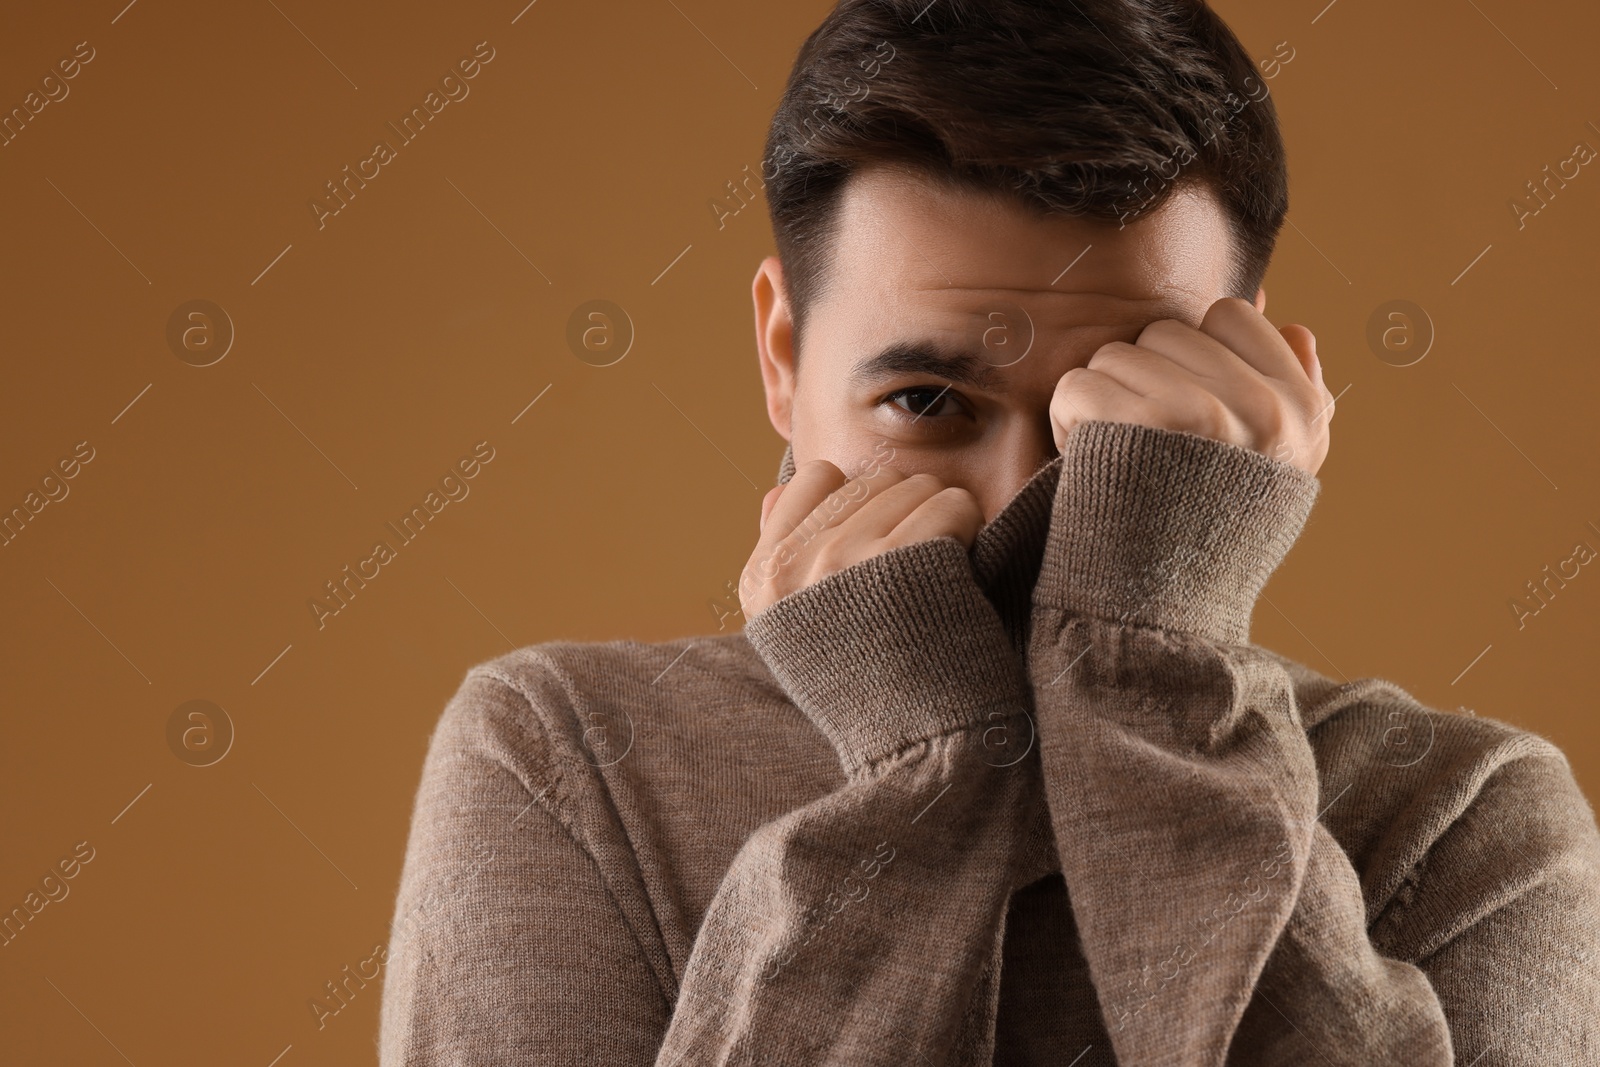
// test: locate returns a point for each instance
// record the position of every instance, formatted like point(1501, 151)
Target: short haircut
point(1097, 108)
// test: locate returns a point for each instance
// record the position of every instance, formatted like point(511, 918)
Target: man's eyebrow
point(955, 365)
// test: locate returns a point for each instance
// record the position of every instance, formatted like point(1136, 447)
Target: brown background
point(431, 311)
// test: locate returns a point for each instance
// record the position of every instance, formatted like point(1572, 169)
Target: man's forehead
point(988, 314)
point(1130, 300)
point(908, 239)
point(974, 293)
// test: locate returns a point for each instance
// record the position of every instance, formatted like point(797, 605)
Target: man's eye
point(924, 401)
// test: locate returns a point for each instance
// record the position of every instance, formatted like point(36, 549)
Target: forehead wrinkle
point(1144, 307)
point(1137, 299)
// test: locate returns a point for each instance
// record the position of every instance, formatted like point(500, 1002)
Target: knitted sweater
point(1039, 802)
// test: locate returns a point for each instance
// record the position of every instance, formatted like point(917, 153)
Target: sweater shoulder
point(1402, 781)
point(562, 715)
point(717, 662)
point(1400, 731)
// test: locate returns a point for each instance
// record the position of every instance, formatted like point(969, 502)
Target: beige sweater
point(1042, 802)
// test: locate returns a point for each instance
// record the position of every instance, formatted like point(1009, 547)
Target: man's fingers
point(768, 501)
point(889, 508)
point(819, 497)
point(1304, 344)
point(1246, 333)
point(1147, 373)
point(951, 512)
point(820, 522)
point(810, 486)
point(1083, 394)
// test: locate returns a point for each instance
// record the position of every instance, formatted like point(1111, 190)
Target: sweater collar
point(1008, 551)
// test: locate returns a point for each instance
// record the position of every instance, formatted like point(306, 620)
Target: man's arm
point(866, 927)
point(1220, 919)
point(863, 928)
point(1501, 912)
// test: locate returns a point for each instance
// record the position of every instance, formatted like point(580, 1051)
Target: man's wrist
point(892, 650)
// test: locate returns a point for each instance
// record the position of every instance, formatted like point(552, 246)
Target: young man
point(993, 773)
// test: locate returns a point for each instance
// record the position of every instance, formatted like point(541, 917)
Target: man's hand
point(1236, 379)
point(820, 522)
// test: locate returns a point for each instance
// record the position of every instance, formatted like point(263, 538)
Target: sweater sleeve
point(1502, 914)
point(1176, 762)
point(865, 927)
point(861, 927)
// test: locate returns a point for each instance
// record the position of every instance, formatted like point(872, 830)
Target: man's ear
point(1261, 301)
point(774, 343)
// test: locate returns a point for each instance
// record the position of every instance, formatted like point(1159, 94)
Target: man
point(993, 773)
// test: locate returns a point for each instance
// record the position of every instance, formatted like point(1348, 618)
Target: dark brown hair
point(1098, 108)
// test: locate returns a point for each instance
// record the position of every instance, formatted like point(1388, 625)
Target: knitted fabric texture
point(1037, 802)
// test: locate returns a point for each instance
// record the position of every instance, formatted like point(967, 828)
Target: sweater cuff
point(893, 650)
point(1167, 528)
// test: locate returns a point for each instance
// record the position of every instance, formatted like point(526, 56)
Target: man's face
point(923, 271)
